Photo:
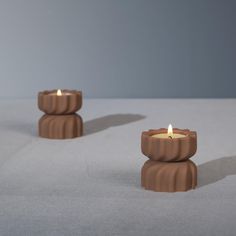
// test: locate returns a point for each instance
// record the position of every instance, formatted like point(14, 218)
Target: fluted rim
point(69, 102)
point(71, 91)
point(164, 149)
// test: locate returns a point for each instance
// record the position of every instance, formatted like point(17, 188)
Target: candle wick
point(170, 137)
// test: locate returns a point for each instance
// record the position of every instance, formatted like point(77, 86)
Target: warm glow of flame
point(170, 131)
point(59, 92)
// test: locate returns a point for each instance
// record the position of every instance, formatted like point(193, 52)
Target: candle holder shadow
point(215, 170)
point(169, 168)
point(105, 122)
point(60, 120)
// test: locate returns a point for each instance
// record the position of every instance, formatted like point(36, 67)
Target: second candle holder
point(169, 168)
point(60, 120)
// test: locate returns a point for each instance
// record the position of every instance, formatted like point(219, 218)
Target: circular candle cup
point(166, 135)
point(158, 147)
point(68, 103)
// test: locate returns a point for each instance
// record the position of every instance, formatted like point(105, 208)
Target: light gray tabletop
point(91, 185)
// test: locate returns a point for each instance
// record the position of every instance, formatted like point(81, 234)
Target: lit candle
point(170, 134)
point(59, 93)
point(63, 93)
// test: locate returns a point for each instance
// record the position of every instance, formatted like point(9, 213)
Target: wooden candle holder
point(60, 120)
point(169, 168)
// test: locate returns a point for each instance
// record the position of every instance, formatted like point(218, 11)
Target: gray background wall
point(118, 48)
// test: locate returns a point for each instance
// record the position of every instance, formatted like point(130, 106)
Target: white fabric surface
point(91, 185)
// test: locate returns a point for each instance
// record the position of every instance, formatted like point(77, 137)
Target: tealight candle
point(169, 134)
point(59, 93)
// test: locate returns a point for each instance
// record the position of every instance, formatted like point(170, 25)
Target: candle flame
point(59, 92)
point(170, 131)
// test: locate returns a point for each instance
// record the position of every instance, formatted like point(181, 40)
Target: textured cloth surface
point(91, 185)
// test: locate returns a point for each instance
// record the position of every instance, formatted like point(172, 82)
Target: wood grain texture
point(164, 149)
point(60, 126)
point(169, 176)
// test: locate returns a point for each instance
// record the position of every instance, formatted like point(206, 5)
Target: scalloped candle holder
point(60, 120)
point(68, 103)
point(166, 149)
point(169, 168)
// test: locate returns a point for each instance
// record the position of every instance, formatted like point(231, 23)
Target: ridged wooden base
point(169, 176)
point(60, 126)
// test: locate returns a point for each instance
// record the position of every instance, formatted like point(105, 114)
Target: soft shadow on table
point(21, 127)
point(105, 122)
point(216, 170)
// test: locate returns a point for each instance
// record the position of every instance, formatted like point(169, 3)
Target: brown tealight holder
point(60, 120)
point(169, 168)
